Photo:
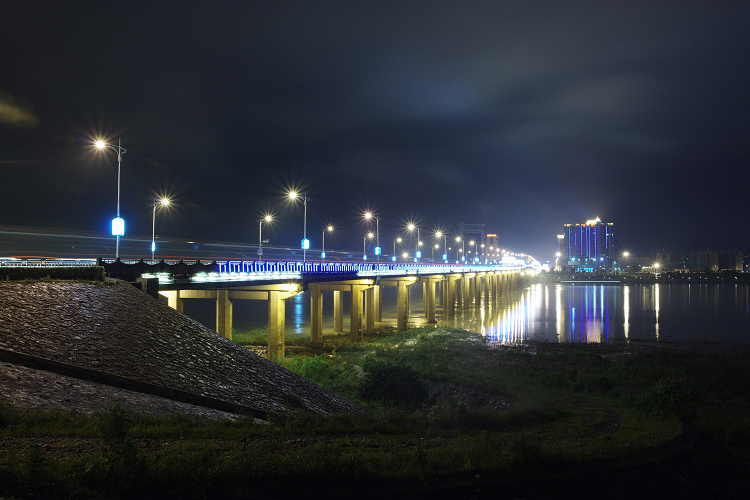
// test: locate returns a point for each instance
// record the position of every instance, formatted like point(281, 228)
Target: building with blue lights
point(589, 247)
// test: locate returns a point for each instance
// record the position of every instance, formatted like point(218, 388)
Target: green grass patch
point(441, 405)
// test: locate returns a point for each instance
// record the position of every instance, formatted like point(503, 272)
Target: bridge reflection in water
point(585, 313)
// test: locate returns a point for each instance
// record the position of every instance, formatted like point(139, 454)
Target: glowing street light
point(418, 253)
point(397, 240)
point(461, 240)
point(265, 219)
point(474, 244)
point(364, 245)
point(438, 235)
point(369, 215)
point(162, 203)
point(305, 242)
point(330, 230)
point(118, 224)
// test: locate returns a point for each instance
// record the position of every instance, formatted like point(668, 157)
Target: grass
point(563, 405)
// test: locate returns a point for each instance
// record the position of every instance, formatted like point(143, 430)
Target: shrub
point(678, 396)
point(389, 383)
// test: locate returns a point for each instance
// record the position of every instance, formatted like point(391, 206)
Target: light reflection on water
point(547, 312)
point(607, 313)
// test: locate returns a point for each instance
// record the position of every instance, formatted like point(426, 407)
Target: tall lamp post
point(438, 235)
point(368, 216)
point(461, 240)
point(323, 252)
point(397, 240)
point(163, 202)
point(305, 242)
point(118, 224)
point(266, 219)
point(418, 252)
point(364, 245)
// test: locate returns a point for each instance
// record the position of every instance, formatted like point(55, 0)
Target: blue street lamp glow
point(377, 250)
point(305, 244)
point(118, 226)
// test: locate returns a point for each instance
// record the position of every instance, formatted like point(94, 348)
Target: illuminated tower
point(589, 247)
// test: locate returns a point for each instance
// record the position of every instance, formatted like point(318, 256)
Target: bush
point(395, 384)
point(677, 396)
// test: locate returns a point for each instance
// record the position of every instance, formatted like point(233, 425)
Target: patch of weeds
point(396, 384)
point(8, 415)
point(124, 461)
point(255, 337)
point(677, 396)
point(596, 384)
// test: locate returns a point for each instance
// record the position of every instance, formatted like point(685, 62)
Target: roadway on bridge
point(25, 242)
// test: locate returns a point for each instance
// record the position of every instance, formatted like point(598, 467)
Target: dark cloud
point(15, 113)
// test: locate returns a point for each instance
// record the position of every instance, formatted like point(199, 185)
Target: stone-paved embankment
point(120, 331)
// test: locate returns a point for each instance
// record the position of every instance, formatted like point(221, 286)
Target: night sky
point(522, 116)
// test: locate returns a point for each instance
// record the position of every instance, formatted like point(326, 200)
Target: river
point(549, 312)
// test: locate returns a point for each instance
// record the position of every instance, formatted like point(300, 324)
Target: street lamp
point(364, 245)
point(418, 252)
point(267, 218)
point(474, 244)
point(323, 253)
point(461, 240)
point(438, 235)
point(305, 242)
point(368, 216)
point(118, 224)
point(163, 202)
point(397, 240)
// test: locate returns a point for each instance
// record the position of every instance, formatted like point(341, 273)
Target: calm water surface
point(548, 312)
point(617, 313)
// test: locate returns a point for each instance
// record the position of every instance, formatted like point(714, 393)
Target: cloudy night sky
point(522, 116)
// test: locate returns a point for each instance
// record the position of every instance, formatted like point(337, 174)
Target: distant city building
point(730, 260)
point(701, 260)
point(589, 247)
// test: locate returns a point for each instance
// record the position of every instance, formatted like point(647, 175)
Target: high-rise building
point(589, 247)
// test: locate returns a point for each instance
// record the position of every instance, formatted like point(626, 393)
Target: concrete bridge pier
point(224, 314)
point(338, 312)
point(276, 324)
point(428, 293)
point(449, 296)
point(275, 295)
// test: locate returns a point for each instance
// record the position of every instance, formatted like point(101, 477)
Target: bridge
point(275, 282)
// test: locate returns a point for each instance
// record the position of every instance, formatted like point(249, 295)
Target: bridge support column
point(428, 292)
point(276, 325)
point(338, 312)
point(369, 323)
point(465, 298)
point(174, 300)
point(378, 304)
point(487, 288)
point(402, 306)
point(449, 299)
point(477, 289)
point(316, 313)
point(223, 314)
point(356, 313)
